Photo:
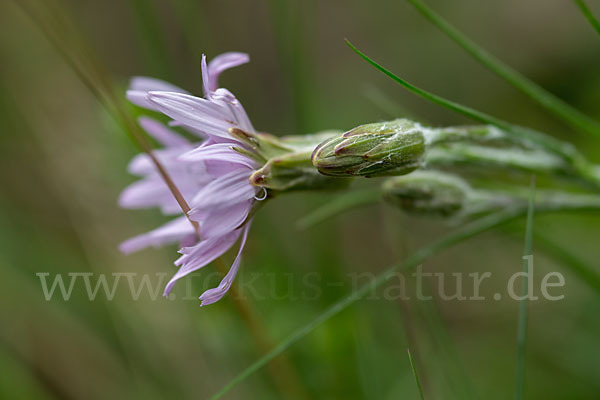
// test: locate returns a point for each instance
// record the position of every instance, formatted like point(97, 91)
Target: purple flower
point(213, 176)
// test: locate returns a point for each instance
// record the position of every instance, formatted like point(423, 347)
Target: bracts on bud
point(286, 162)
point(294, 171)
point(379, 149)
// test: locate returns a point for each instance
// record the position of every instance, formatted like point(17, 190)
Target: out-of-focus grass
point(63, 163)
point(553, 104)
point(587, 12)
point(523, 318)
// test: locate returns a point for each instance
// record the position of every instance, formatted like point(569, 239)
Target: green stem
point(460, 144)
point(476, 155)
point(486, 201)
point(523, 306)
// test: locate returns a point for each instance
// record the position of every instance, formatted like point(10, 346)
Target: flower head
point(213, 175)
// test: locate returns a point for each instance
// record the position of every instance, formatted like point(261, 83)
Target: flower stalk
point(401, 146)
point(447, 195)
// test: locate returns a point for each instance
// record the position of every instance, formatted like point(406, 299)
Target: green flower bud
point(386, 148)
point(427, 192)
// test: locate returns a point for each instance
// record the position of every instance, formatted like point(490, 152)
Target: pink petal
point(152, 191)
point(235, 107)
point(142, 165)
point(140, 86)
point(221, 63)
point(226, 190)
point(147, 84)
point(165, 136)
point(170, 232)
point(213, 295)
point(149, 192)
point(217, 152)
point(200, 255)
point(205, 78)
point(219, 220)
point(196, 112)
point(140, 99)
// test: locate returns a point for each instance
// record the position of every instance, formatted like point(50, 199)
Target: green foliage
point(63, 162)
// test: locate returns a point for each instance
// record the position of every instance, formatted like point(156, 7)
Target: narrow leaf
point(546, 99)
point(414, 371)
point(523, 306)
point(415, 259)
point(585, 10)
point(565, 150)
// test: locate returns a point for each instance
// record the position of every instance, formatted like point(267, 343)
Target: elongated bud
point(427, 192)
point(386, 148)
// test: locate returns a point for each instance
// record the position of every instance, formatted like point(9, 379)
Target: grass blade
point(523, 306)
point(585, 10)
point(563, 149)
point(546, 99)
point(445, 348)
point(415, 259)
point(414, 371)
point(65, 38)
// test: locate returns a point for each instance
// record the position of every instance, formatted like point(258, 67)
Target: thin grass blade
point(414, 372)
point(523, 306)
point(72, 47)
point(585, 10)
point(546, 99)
point(563, 149)
point(415, 259)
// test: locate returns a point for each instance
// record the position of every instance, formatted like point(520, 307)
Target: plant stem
point(523, 305)
point(414, 371)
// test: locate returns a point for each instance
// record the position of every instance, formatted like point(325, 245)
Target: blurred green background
point(63, 163)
